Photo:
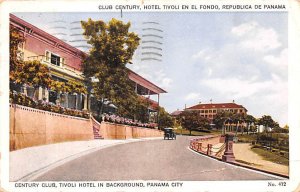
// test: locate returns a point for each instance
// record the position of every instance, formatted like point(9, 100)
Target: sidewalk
point(242, 151)
point(26, 164)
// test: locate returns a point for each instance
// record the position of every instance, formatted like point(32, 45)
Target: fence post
point(228, 154)
point(199, 147)
point(194, 145)
point(209, 146)
point(222, 139)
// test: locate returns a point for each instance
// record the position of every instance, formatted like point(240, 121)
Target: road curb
point(242, 165)
point(35, 174)
point(257, 169)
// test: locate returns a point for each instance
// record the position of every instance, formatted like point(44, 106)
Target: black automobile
point(169, 133)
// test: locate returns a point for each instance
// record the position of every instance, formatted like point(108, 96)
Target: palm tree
point(237, 119)
point(250, 120)
point(266, 121)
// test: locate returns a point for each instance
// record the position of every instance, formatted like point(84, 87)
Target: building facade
point(210, 110)
point(64, 62)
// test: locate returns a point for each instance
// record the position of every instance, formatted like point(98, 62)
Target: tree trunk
point(242, 130)
point(100, 109)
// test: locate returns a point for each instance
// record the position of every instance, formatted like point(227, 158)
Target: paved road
point(148, 160)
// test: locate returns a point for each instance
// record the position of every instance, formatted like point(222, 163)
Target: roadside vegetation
point(278, 141)
point(273, 156)
point(270, 146)
point(203, 132)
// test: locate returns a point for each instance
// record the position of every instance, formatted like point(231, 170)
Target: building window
point(52, 97)
point(214, 111)
point(72, 101)
point(54, 59)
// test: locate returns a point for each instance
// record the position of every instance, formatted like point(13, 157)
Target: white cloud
point(278, 61)
point(192, 96)
point(209, 72)
point(233, 87)
point(246, 88)
point(204, 54)
point(244, 28)
point(260, 95)
point(166, 82)
point(256, 37)
point(161, 78)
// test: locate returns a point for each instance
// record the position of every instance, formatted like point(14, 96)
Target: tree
point(279, 130)
point(238, 119)
point(15, 40)
point(192, 120)
point(76, 87)
point(267, 122)
point(250, 120)
point(112, 49)
point(32, 73)
point(141, 108)
point(165, 119)
point(221, 117)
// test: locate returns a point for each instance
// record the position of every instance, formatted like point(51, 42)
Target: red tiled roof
point(217, 106)
point(175, 113)
point(20, 23)
point(152, 104)
point(145, 83)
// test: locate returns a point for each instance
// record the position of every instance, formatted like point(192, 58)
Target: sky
point(240, 56)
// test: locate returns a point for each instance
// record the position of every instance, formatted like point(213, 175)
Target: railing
point(220, 150)
point(43, 58)
point(40, 111)
point(204, 145)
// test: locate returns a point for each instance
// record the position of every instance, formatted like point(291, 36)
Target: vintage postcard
point(150, 95)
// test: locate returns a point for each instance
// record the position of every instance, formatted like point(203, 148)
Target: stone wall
point(31, 127)
point(118, 131)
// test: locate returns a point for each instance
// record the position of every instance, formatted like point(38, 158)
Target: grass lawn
point(247, 138)
point(269, 156)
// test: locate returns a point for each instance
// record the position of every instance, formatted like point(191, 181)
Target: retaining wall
point(31, 127)
point(118, 131)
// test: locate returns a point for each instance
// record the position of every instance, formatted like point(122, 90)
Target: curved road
point(149, 160)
